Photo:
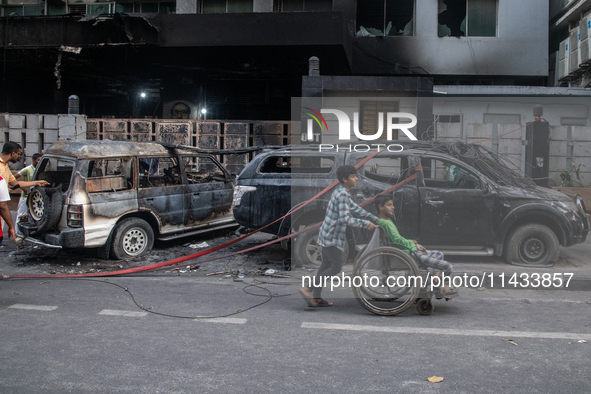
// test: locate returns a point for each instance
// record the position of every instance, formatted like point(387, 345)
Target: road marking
point(444, 331)
point(111, 312)
point(228, 320)
point(33, 307)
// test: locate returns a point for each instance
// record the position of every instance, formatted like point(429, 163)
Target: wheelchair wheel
point(388, 281)
point(425, 307)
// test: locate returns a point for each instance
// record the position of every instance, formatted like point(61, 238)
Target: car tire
point(307, 252)
point(44, 207)
point(132, 237)
point(532, 245)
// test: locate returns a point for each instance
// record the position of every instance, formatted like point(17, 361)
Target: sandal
point(321, 303)
point(308, 298)
point(452, 294)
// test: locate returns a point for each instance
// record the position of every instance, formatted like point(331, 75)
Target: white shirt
point(4, 195)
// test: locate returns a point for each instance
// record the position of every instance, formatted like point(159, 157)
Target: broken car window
point(110, 175)
point(159, 172)
point(55, 171)
point(384, 169)
point(202, 170)
point(297, 165)
point(443, 174)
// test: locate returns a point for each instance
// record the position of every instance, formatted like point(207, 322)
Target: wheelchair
point(387, 281)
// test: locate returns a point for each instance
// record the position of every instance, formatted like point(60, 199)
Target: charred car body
point(120, 196)
point(461, 207)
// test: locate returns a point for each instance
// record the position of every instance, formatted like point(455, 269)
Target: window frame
point(466, 33)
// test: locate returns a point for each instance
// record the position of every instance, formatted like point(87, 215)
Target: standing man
point(11, 153)
point(4, 211)
point(332, 236)
point(26, 174)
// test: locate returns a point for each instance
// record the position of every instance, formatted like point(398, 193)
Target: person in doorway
point(26, 174)
point(332, 236)
point(427, 258)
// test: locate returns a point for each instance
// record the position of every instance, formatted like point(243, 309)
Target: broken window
point(444, 174)
point(369, 117)
point(202, 170)
point(471, 18)
point(385, 18)
point(299, 165)
point(55, 171)
point(384, 169)
point(159, 172)
point(226, 6)
point(109, 175)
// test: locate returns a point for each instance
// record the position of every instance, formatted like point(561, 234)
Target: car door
point(162, 191)
point(209, 191)
point(456, 209)
point(381, 173)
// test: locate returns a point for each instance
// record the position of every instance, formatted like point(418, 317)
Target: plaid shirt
point(338, 217)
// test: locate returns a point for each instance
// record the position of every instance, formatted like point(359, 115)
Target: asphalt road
point(79, 336)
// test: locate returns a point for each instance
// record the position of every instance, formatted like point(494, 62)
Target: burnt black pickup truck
point(459, 206)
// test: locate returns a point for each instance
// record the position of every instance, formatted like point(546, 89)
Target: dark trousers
point(332, 262)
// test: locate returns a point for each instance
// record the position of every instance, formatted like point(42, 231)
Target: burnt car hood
point(539, 193)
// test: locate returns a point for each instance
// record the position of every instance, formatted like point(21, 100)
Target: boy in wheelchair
point(427, 258)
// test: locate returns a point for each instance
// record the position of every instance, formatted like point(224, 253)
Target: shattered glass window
point(471, 18)
point(296, 164)
point(376, 18)
point(444, 174)
point(384, 169)
point(159, 172)
point(202, 170)
point(108, 175)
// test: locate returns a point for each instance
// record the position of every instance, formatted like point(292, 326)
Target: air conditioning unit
point(585, 40)
point(573, 43)
point(563, 60)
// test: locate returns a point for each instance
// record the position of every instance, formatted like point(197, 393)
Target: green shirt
point(395, 235)
point(27, 174)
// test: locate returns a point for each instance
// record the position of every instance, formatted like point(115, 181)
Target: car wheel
point(45, 208)
point(532, 245)
point(133, 237)
point(307, 252)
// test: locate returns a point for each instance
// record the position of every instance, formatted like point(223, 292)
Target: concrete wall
point(35, 132)
point(201, 134)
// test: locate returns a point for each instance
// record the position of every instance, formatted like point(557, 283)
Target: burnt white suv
point(119, 196)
